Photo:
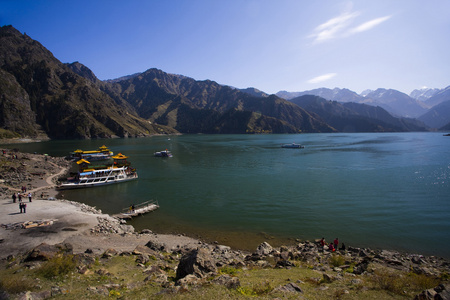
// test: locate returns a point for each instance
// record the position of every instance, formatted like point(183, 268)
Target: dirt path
point(64, 221)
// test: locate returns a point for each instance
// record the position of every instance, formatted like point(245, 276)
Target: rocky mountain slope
point(191, 106)
point(40, 96)
point(38, 91)
point(68, 101)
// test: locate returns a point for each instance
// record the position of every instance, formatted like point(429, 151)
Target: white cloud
point(334, 27)
point(322, 78)
point(370, 24)
point(341, 26)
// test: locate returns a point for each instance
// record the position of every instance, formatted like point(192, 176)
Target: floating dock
point(138, 210)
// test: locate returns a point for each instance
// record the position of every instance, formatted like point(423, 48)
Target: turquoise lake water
point(377, 190)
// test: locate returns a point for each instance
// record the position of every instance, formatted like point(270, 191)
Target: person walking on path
point(14, 197)
point(29, 196)
point(21, 207)
point(20, 197)
point(24, 206)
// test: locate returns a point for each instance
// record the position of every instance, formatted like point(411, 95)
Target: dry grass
point(57, 266)
point(401, 283)
point(128, 282)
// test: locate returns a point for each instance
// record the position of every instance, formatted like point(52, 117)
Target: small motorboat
point(293, 145)
point(165, 153)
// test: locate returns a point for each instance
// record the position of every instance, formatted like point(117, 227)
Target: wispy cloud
point(342, 26)
point(333, 27)
point(370, 24)
point(322, 78)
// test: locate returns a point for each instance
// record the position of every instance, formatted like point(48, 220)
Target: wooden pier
point(138, 210)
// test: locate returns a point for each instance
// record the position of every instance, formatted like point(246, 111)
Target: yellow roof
point(91, 151)
point(82, 161)
point(120, 156)
point(78, 151)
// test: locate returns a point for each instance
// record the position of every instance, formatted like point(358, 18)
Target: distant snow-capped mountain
point(336, 94)
point(395, 102)
point(365, 92)
point(438, 116)
point(424, 94)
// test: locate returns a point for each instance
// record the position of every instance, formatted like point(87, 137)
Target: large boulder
point(228, 281)
point(264, 249)
point(198, 262)
point(362, 266)
point(290, 288)
point(46, 252)
point(443, 291)
point(156, 246)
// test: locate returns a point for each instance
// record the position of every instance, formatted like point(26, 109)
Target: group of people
point(18, 196)
point(332, 246)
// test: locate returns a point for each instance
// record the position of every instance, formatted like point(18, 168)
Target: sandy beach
point(50, 220)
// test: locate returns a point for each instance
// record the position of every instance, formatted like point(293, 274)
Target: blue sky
point(291, 45)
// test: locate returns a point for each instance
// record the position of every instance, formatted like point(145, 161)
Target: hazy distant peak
point(424, 94)
point(366, 92)
point(336, 94)
point(383, 93)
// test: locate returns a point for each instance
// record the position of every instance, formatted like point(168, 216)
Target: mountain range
point(43, 97)
point(427, 105)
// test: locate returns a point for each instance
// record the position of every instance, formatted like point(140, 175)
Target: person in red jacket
point(336, 243)
point(331, 247)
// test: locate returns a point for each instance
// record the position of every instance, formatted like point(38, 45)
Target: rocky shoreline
point(193, 263)
point(200, 265)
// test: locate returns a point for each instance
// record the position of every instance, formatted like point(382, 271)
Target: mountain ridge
point(356, 117)
point(159, 96)
point(65, 104)
point(395, 102)
point(67, 100)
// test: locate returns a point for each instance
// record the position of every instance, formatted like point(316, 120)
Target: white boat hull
point(99, 177)
point(292, 146)
point(94, 182)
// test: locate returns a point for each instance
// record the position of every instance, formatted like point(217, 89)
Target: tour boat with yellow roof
point(90, 176)
point(102, 153)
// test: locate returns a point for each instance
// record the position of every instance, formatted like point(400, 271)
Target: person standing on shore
point(336, 243)
point(29, 196)
point(20, 197)
point(21, 207)
point(24, 206)
point(14, 197)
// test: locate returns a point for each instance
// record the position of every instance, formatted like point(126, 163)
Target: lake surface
point(378, 190)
